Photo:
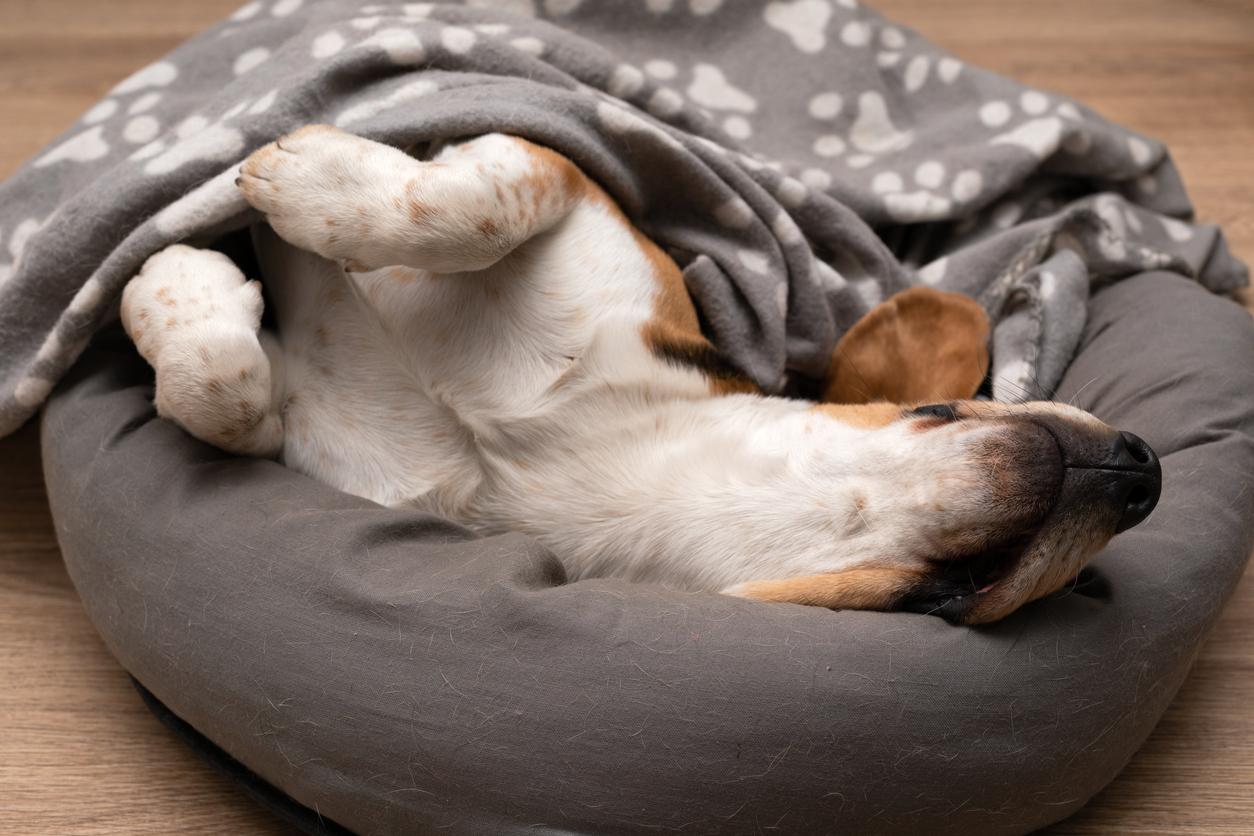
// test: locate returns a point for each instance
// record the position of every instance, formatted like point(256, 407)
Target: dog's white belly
point(464, 382)
point(354, 416)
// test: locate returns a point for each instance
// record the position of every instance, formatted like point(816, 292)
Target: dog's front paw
point(326, 191)
point(180, 290)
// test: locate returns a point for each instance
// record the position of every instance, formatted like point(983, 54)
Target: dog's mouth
point(1072, 490)
point(953, 587)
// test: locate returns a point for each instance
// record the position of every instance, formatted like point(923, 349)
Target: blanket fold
point(803, 160)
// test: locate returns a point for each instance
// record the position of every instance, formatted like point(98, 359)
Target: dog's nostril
point(1140, 497)
point(1139, 503)
point(1137, 448)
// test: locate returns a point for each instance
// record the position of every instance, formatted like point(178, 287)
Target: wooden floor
point(78, 753)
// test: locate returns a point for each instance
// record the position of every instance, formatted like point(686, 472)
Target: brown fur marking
point(854, 589)
point(868, 416)
point(674, 330)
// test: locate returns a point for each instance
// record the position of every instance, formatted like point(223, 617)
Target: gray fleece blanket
point(802, 160)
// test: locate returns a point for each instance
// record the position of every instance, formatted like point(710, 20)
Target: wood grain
point(78, 752)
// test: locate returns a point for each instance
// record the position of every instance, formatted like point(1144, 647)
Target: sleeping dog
point(485, 336)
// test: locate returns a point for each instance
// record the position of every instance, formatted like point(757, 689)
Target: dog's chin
point(991, 584)
point(1006, 562)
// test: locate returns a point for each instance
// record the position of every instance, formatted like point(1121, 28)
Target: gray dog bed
point(398, 675)
point(802, 160)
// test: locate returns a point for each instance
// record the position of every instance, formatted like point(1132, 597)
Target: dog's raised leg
point(369, 205)
point(195, 320)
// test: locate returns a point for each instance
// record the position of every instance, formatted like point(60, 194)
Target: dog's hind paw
point(330, 192)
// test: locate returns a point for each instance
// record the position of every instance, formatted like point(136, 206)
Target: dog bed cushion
point(396, 674)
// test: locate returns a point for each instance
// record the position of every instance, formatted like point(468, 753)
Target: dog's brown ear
point(920, 346)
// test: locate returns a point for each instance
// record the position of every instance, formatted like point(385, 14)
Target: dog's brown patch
point(865, 415)
point(549, 177)
point(853, 589)
point(673, 333)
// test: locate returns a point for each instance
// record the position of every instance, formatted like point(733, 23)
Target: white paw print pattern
point(249, 60)
point(402, 46)
point(928, 192)
point(327, 44)
point(714, 95)
point(522, 8)
point(804, 22)
point(621, 120)
point(281, 8)
point(790, 191)
point(700, 8)
point(100, 111)
point(919, 69)
point(734, 213)
point(665, 103)
point(90, 144)
point(144, 103)
point(18, 239)
point(195, 138)
point(405, 47)
point(457, 39)
point(872, 132)
point(213, 201)
point(624, 81)
point(246, 12)
point(1046, 129)
point(1123, 224)
point(141, 129)
point(81, 148)
point(159, 74)
point(934, 271)
point(404, 93)
point(711, 89)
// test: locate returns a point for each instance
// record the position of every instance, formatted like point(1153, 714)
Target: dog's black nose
point(1139, 479)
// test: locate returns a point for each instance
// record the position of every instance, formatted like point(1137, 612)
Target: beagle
point(486, 337)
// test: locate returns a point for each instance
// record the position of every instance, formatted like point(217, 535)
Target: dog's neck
point(705, 493)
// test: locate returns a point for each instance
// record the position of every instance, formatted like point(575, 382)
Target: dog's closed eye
point(943, 411)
